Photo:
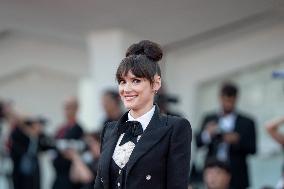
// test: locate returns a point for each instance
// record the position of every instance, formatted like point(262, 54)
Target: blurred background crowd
point(223, 70)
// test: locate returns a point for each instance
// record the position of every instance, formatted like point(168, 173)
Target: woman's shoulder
point(177, 119)
point(107, 130)
point(178, 122)
point(181, 127)
point(109, 126)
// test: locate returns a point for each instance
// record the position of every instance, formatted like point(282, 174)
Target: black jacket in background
point(19, 147)
point(239, 152)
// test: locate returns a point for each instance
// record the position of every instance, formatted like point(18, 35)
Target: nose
point(127, 87)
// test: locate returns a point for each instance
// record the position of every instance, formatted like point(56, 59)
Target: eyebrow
point(132, 77)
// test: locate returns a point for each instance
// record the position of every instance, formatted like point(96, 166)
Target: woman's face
point(137, 94)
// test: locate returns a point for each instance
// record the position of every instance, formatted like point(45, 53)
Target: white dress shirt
point(227, 125)
point(122, 153)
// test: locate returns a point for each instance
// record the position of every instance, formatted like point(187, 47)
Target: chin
point(129, 105)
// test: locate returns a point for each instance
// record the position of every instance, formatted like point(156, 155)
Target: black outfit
point(237, 153)
point(160, 159)
point(24, 154)
point(62, 165)
point(108, 119)
point(117, 175)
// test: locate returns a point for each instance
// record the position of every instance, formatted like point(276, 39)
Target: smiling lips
point(130, 97)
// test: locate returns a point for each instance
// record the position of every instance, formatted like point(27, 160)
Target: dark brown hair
point(213, 162)
point(142, 60)
point(229, 89)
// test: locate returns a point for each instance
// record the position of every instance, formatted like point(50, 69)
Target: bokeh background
point(53, 49)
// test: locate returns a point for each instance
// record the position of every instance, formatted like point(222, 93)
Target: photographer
point(8, 121)
point(62, 162)
point(5, 114)
point(229, 136)
point(27, 140)
point(83, 156)
point(84, 167)
point(163, 100)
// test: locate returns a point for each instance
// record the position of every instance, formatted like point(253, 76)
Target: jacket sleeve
point(198, 136)
point(247, 142)
point(178, 162)
point(98, 183)
point(19, 144)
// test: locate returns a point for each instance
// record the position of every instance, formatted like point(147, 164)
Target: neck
point(227, 112)
point(139, 112)
point(71, 120)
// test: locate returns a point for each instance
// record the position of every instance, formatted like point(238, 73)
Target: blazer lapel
point(108, 149)
point(106, 157)
point(236, 126)
point(152, 135)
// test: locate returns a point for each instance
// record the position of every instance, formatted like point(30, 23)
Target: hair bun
point(148, 48)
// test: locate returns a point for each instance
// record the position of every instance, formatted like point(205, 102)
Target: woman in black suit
point(144, 149)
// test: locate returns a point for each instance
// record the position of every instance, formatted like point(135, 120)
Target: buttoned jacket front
point(160, 160)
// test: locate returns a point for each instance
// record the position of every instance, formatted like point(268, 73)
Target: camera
point(65, 144)
point(165, 98)
point(219, 134)
point(31, 120)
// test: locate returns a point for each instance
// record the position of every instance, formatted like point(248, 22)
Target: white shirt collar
point(227, 122)
point(144, 119)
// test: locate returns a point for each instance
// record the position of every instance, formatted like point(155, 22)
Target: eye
point(121, 82)
point(136, 81)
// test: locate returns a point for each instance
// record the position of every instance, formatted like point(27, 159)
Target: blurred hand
point(272, 129)
point(211, 128)
point(95, 149)
point(273, 125)
point(70, 154)
point(93, 145)
point(231, 138)
point(33, 130)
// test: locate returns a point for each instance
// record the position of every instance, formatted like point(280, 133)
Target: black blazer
point(163, 153)
point(239, 152)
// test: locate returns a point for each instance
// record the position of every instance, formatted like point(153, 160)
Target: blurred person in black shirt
point(229, 136)
point(71, 129)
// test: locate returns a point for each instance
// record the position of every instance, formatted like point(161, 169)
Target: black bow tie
point(132, 130)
